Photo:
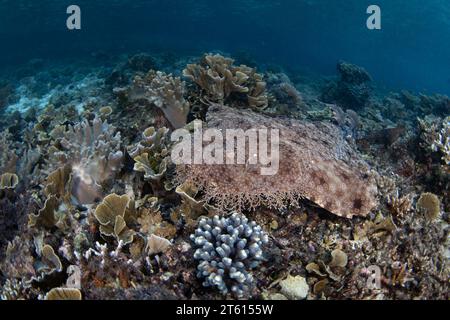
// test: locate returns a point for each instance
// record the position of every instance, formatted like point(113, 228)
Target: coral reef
point(352, 90)
point(227, 249)
point(92, 206)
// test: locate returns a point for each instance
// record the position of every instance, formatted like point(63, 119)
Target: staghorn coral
point(164, 91)
point(399, 205)
point(227, 249)
point(219, 79)
point(315, 163)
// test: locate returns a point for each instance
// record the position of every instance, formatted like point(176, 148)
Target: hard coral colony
point(93, 207)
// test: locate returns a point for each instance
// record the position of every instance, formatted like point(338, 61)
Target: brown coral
point(219, 78)
point(315, 163)
point(111, 216)
point(93, 148)
point(46, 216)
point(8, 181)
point(63, 294)
point(164, 91)
point(429, 204)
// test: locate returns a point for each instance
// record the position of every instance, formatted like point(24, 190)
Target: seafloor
point(91, 206)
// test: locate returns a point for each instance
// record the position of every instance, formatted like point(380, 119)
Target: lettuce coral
point(93, 149)
point(219, 79)
point(8, 181)
point(63, 294)
point(315, 162)
point(164, 91)
point(152, 154)
point(111, 214)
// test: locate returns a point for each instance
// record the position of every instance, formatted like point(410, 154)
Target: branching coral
point(228, 248)
point(315, 162)
point(442, 141)
point(435, 136)
point(220, 79)
point(164, 91)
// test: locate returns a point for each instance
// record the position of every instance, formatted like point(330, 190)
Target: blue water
point(411, 51)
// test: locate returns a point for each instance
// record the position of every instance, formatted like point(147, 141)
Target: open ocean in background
point(410, 52)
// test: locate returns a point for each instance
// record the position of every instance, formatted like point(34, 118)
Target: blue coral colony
point(93, 207)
